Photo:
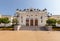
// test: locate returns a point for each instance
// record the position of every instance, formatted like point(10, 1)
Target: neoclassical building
point(32, 17)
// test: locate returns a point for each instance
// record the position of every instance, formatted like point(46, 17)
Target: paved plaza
point(29, 36)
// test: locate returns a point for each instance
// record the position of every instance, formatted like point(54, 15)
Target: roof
point(31, 9)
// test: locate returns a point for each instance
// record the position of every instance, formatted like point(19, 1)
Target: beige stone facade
point(32, 17)
point(57, 17)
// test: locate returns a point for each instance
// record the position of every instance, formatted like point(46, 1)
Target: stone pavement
point(29, 36)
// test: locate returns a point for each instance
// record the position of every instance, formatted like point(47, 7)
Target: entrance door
point(27, 22)
point(31, 22)
point(36, 22)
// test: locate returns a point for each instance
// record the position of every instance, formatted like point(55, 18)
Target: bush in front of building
point(7, 28)
point(4, 20)
point(14, 21)
point(58, 21)
point(51, 22)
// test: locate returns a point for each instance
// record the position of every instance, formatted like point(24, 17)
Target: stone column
point(29, 22)
point(33, 22)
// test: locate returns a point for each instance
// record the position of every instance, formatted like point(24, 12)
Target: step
point(29, 28)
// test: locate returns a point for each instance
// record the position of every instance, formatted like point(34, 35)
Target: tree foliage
point(4, 20)
point(0, 20)
point(51, 21)
point(15, 21)
point(58, 21)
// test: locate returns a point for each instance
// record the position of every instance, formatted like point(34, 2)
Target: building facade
point(57, 17)
point(32, 17)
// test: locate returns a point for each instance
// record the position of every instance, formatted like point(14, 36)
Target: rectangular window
point(41, 17)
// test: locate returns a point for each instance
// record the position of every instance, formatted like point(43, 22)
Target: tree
point(5, 20)
point(14, 21)
point(58, 21)
point(0, 20)
point(51, 21)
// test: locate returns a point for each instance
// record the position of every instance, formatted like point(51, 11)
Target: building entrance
point(27, 22)
point(36, 22)
point(31, 22)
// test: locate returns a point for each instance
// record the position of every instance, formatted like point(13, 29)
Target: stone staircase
point(30, 28)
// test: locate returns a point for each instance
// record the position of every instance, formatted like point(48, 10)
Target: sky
point(8, 7)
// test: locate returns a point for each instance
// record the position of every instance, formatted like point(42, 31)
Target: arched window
point(17, 9)
point(27, 22)
point(36, 22)
point(31, 10)
point(24, 10)
point(27, 9)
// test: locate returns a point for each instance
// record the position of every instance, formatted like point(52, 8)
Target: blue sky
point(8, 7)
